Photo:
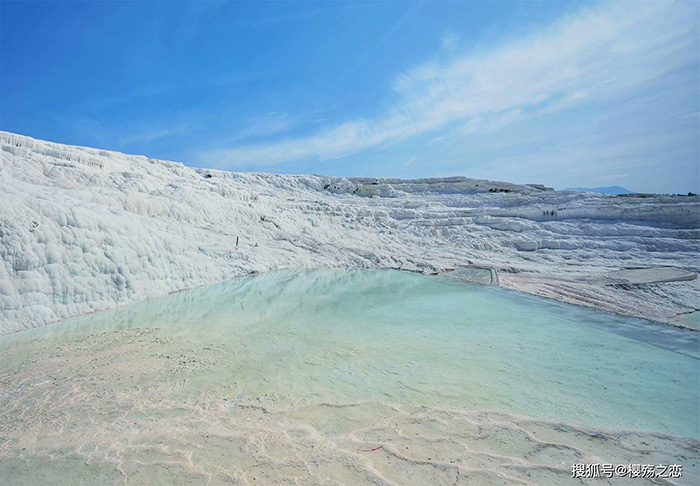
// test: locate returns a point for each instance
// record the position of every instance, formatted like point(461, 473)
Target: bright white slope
point(84, 230)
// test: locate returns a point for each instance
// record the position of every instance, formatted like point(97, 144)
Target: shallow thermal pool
point(324, 366)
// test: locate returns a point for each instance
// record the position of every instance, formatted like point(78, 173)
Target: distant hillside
point(602, 190)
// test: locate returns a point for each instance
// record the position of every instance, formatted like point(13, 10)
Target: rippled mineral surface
point(350, 377)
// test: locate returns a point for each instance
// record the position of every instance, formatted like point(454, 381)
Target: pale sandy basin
point(235, 385)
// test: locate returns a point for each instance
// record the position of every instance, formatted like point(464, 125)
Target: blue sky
point(562, 93)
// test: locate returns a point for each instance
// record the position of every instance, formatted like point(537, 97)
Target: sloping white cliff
point(84, 230)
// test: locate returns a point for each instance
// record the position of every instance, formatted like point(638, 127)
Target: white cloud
point(602, 52)
point(492, 123)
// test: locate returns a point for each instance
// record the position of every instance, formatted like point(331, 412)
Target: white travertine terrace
point(83, 230)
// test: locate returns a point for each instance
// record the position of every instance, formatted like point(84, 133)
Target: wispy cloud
point(600, 53)
point(409, 161)
point(594, 158)
point(161, 89)
point(197, 15)
point(491, 123)
point(150, 134)
point(97, 134)
point(411, 11)
point(267, 126)
point(450, 40)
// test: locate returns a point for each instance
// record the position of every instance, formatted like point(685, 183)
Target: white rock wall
point(83, 229)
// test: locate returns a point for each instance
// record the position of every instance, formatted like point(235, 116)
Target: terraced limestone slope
point(83, 229)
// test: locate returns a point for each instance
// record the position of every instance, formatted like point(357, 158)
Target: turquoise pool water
point(341, 336)
point(692, 320)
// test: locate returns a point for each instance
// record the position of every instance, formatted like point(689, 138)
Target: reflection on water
point(338, 336)
point(692, 320)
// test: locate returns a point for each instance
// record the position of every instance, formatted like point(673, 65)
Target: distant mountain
point(602, 190)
